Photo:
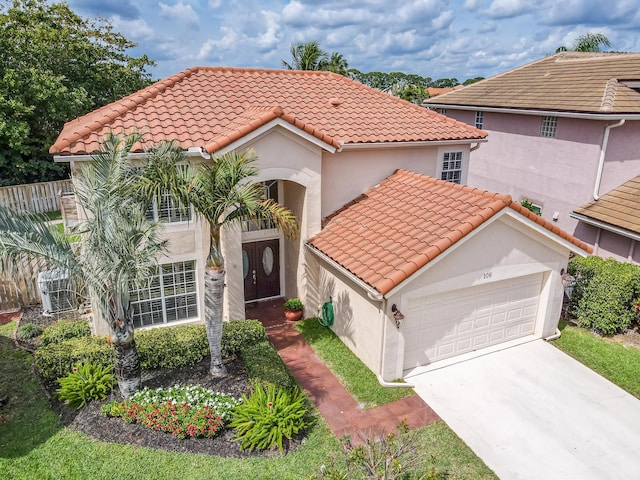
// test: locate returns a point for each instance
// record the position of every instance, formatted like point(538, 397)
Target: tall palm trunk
point(213, 299)
point(128, 371)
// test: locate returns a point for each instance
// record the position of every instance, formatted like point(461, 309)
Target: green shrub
point(27, 331)
point(57, 359)
point(171, 347)
point(267, 417)
point(389, 456)
point(167, 347)
point(86, 382)
point(604, 294)
point(65, 330)
point(265, 366)
point(238, 334)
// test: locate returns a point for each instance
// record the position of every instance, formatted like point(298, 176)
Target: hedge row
point(168, 347)
point(605, 294)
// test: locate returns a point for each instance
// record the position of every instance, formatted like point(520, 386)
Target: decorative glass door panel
point(261, 269)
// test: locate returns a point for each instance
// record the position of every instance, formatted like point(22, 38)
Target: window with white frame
point(270, 191)
point(452, 167)
point(170, 295)
point(548, 128)
point(479, 119)
point(169, 210)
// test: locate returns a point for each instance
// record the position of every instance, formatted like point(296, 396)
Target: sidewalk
point(340, 410)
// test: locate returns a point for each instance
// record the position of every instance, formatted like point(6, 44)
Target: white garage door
point(460, 321)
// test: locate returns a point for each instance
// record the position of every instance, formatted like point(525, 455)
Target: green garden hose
point(327, 314)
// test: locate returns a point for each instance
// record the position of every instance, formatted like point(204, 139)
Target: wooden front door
point(261, 269)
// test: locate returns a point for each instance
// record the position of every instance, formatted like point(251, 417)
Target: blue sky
point(434, 38)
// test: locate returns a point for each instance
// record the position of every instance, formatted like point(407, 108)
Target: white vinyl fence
point(34, 197)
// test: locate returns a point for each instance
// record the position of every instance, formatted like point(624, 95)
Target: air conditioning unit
point(55, 291)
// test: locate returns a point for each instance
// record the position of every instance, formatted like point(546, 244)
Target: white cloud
point(137, 30)
point(181, 12)
point(270, 38)
point(510, 8)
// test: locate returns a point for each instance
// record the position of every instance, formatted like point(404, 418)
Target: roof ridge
point(609, 95)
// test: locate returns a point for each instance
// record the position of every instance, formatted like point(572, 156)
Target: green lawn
point(618, 363)
point(33, 444)
point(356, 377)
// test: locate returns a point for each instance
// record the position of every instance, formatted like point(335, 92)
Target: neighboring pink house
point(563, 131)
point(382, 233)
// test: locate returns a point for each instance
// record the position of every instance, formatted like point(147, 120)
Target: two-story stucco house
point(563, 132)
point(383, 176)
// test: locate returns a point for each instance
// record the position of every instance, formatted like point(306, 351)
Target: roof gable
point(596, 83)
point(399, 226)
point(210, 107)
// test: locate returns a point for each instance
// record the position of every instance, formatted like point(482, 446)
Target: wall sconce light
point(398, 317)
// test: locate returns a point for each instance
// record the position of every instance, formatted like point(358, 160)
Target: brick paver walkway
point(337, 406)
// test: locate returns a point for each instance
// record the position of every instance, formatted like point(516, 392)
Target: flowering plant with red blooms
point(189, 411)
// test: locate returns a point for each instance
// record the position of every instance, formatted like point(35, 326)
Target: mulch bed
point(90, 421)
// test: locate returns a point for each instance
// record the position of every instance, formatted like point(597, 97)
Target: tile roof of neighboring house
point(619, 208)
point(397, 227)
point(603, 83)
point(434, 91)
point(210, 107)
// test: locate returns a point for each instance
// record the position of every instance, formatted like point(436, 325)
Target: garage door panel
point(453, 323)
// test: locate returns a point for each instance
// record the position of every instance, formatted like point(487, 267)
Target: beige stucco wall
point(187, 241)
point(282, 155)
point(349, 173)
point(358, 320)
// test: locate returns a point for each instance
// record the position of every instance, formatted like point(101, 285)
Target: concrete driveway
point(532, 412)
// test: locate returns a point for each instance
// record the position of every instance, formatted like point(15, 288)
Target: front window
point(270, 191)
point(479, 120)
point(170, 295)
point(452, 167)
point(548, 128)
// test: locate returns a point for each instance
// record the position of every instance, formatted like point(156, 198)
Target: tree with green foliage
point(469, 81)
point(54, 67)
point(336, 64)
point(306, 56)
point(118, 248)
point(589, 42)
point(309, 56)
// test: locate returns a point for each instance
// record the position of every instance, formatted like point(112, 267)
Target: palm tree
point(223, 194)
point(589, 42)
point(306, 56)
point(117, 248)
point(336, 64)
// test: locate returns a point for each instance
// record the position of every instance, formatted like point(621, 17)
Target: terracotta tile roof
point(620, 207)
point(397, 227)
point(604, 83)
point(210, 107)
point(434, 91)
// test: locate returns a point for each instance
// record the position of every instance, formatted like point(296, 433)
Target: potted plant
point(293, 309)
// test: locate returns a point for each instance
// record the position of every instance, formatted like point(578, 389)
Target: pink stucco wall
point(557, 173)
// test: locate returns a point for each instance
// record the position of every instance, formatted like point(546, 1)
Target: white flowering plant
point(184, 411)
